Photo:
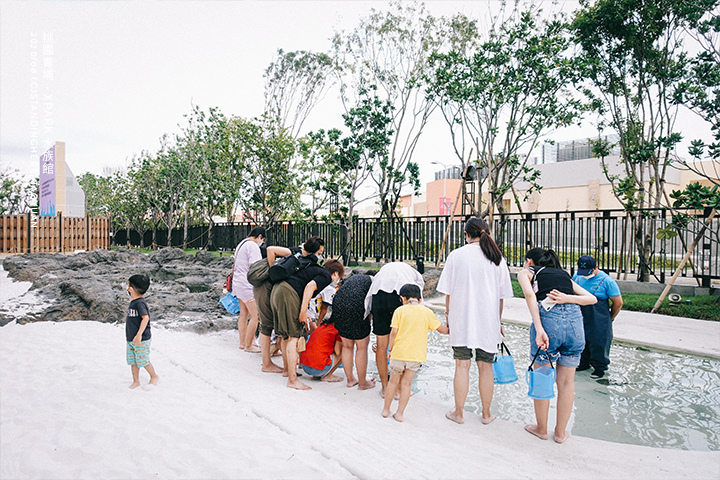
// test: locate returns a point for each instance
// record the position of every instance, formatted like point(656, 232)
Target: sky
point(110, 78)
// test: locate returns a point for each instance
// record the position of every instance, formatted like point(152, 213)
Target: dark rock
point(431, 277)
point(167, 255)
point(184, 289)
point(205, 257)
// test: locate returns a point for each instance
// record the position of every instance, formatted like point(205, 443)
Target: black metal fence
point(607, 235)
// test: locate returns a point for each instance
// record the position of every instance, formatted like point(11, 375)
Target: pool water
point(650, 398)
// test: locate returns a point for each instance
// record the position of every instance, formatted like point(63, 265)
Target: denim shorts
point(316, 372)
point(564, 327)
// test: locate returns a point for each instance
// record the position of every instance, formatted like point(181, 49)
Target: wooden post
point(683, 262)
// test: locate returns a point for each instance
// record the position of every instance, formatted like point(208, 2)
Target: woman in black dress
point(354, 328)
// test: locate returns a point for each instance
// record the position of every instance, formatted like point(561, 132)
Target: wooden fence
point(31, 234)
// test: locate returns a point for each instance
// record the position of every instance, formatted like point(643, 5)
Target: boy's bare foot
point(253, 349)
point(385, 412)
point(134, 385)
point(298, 385)
point(351, 382)
point(367, 384)
point(398, 417)
point(451, 416)
point(154, 380)
point(331, 378)
point(272, 368)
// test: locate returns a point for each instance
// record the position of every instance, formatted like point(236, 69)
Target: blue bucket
point(541, 381)
point(230, 303)
point(504, 367)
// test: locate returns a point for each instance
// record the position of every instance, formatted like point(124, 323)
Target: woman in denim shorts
point(554, 302)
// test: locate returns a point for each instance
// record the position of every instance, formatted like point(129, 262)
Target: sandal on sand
point(562, 439)
point(541, 436)
point(488, 421)
point(451, 416)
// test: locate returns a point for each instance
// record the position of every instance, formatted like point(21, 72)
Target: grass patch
point(700, 307)
point(188, 251)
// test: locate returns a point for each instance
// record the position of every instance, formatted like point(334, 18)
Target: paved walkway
point(676, 334)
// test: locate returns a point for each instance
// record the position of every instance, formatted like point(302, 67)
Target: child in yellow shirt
point(408, 346)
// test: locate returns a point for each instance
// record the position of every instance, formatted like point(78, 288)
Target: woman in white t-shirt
point(246, 253)
point(475, 281)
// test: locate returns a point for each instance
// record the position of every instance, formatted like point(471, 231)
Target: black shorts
point(383, 306)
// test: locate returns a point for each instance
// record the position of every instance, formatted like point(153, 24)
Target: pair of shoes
point(597, 373)
point(582, 367)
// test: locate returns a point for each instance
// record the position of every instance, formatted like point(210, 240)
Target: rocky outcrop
point(184, 289)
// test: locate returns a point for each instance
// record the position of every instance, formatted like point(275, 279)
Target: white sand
point(66, 412)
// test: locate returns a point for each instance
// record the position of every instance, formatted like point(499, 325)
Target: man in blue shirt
point(597, 318)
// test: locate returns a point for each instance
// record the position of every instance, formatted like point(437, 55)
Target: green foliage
point(638, 69)
point(294, 84)
point(353, 158)
point(697, 196)
point(16, 196)
point(506, 90)
point(266, 187)
point(390, 50)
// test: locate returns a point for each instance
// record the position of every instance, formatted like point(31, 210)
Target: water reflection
point(649, 398)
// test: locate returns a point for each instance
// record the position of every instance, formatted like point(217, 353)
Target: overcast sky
point(124, 73)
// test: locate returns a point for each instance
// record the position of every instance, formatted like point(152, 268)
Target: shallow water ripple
point(650, 398)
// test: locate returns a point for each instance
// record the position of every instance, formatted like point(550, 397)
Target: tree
point(701, 90)
point(391, 50)
point(206, 144)
point(263, 152)
point(15, 195)
point(318, 175)
point(506, 91)
point(635, 62)
point(98, 190)
point(356, 156)
point(295, 82)
point(132, 206)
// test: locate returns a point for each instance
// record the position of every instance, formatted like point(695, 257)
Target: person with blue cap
point(597, 318)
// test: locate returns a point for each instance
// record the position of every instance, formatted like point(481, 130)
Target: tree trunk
point(698, 237)
point(185, 229)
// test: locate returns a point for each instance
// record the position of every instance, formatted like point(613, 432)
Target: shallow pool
point(649, 398)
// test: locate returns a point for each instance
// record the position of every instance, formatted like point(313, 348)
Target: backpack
point(258, 272)
point(288, 266)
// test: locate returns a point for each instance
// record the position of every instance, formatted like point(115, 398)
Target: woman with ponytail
point(475, 281)
point(557, 330)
